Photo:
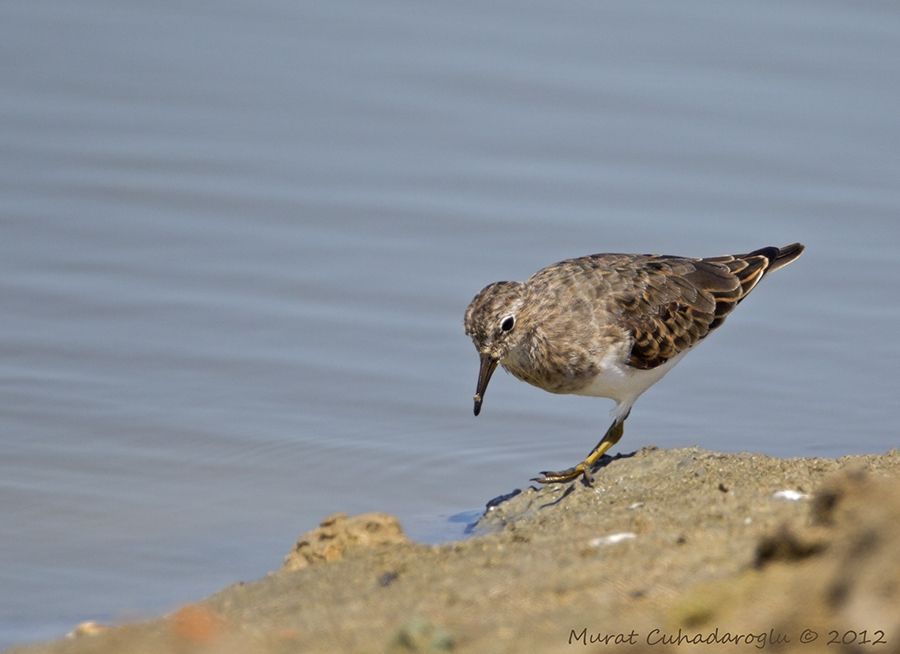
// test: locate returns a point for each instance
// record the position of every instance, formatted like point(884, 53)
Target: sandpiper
point(609, 325)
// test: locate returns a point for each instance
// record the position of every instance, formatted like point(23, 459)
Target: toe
point(560, 477)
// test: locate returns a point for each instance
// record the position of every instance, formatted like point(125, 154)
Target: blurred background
point(237, 240)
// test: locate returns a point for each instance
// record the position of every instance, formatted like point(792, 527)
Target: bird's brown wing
point(672, 303)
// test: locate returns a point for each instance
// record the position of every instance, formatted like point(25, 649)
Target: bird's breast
point(563, 365)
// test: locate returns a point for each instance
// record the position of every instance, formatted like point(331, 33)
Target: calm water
point(238, 239)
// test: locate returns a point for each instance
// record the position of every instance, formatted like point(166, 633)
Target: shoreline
point(744, 549)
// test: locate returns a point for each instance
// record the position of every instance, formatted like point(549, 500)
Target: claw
point(564, 476)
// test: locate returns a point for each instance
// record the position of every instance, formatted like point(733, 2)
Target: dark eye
point(508, 323)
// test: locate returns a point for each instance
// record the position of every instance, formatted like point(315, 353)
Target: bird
point(608, 325)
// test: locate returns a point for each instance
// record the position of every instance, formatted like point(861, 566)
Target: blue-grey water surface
point(237, 240)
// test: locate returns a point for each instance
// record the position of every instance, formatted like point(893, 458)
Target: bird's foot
point(583, 470)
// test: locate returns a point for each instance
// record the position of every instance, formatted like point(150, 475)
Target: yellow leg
point(612, 436)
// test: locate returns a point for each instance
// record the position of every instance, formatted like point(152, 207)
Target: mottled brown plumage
point(609, 325)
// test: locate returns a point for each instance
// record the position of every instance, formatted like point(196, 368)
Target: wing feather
point(678, 301)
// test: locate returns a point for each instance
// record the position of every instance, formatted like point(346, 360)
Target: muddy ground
point(741, 551)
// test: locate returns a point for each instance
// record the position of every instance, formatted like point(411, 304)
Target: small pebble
point(612, 539)
point(790, 495)
point(88, 628)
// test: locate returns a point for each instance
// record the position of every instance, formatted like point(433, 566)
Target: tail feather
point(748, 269)
point(781, 256)
point(751, 267)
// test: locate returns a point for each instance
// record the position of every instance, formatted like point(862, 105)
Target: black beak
point(488, 365)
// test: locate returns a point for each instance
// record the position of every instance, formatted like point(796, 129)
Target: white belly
point(625, 384)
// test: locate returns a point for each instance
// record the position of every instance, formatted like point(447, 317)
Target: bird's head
point(492, 323)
